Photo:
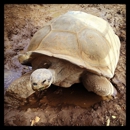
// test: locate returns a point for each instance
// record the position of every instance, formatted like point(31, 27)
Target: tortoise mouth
point(42, 88)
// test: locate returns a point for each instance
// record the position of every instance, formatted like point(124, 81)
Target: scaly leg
point(19, 89)
point(98, 84)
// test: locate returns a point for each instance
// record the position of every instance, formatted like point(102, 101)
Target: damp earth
point(57, 106)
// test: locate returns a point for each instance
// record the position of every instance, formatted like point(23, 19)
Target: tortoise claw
point(114, 93)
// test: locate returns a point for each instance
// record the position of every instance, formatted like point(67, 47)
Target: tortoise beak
point(43, 88)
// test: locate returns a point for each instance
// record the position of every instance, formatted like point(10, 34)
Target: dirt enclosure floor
point(57, 106)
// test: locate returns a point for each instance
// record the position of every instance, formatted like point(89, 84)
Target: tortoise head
point(41, 79)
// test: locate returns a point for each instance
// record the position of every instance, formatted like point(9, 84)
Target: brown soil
point(57, 106)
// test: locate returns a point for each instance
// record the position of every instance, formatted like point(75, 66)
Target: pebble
point(108, 122)
point(113, 117)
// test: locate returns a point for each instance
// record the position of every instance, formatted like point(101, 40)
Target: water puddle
point(76, 95)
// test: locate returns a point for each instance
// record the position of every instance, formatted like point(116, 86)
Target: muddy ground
point(58, 106)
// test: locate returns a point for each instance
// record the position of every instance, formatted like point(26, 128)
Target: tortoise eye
point(43, 81)
point(34, 83)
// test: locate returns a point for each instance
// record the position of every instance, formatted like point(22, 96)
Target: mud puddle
point(56, 96)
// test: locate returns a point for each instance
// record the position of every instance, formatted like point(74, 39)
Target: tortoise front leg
point(98, 84)
point(19, 90)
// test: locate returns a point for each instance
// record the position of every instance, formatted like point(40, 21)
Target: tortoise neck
point(53, 75)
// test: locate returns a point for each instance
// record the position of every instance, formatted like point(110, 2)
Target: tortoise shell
point(80, 38)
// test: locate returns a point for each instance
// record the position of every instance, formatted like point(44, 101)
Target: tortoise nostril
point(43, 81)
point(34, 83)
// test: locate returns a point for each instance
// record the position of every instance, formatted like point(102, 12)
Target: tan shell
point(80, 38)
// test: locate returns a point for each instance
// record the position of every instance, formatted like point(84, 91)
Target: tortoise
point(74, 47)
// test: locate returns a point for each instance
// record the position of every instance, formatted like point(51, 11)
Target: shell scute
point(80, 38)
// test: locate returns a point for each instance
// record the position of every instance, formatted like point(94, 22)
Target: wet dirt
point(55, 96)
point(57, 106)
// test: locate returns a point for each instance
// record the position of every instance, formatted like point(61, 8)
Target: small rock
point(113, 117)
point(37, 119)
point(108, 122)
